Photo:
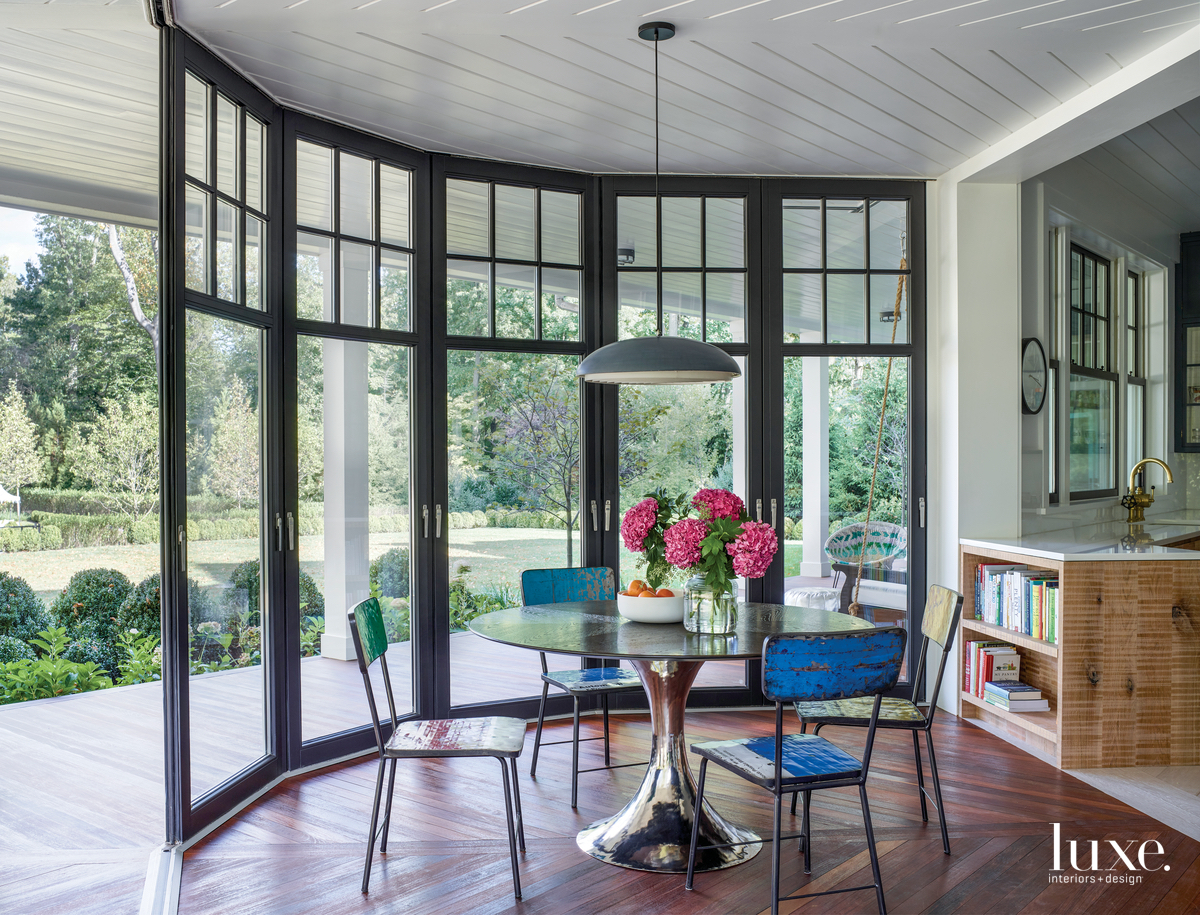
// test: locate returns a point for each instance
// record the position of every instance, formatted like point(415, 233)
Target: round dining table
point(653, 831)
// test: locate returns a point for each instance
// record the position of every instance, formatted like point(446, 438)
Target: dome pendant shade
point(658, 360)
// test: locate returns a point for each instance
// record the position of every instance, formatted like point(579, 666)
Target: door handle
point(758, 508)
point(425, 518)
point(921, 509)
point(181, 535)
point(437, 522)
point(595, 518)
point(772, 513)
point(607, 512)
point(291, 531)
point(278, 533)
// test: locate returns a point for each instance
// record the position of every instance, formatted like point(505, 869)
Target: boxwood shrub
point(390, 573)
point(22, 613)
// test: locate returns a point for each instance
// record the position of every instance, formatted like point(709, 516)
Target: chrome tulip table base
point(654, 830)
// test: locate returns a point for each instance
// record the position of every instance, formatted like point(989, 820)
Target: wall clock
point(1033, 375)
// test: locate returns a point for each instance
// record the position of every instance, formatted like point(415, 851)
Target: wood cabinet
point(1123, 680)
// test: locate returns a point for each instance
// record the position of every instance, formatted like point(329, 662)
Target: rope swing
point(855, 608)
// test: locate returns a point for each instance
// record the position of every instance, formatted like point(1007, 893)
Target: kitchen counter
point(1110, 541)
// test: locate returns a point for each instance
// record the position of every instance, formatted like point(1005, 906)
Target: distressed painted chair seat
point(805, 758)
point(593, 679)
point(457, 737)
point(893, 712)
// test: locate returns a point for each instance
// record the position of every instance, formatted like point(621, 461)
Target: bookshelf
point(1123, 680)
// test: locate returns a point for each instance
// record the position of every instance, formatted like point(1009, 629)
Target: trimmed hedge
point(12, 649)
point(22, 613)
point(88, 607)
point(142, 609)
point(389, 573)
point(245, 577)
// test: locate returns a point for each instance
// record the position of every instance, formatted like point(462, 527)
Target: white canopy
point(6, 496)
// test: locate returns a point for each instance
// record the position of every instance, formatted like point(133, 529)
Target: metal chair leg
point(512, 832)
point(374, 823)
point(805, 831)
point(691, 868)
point(537, 737)
point(387, 810)
point(517, 802)
point(920, 775)
point(937, 792)
point(775, 851)
point(604, 705)
point(575, 757)
point(862, 793)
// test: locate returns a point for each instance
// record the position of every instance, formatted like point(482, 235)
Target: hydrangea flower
point(753, 549)
point(718, 503)
point(683, 542)
point(637, 523)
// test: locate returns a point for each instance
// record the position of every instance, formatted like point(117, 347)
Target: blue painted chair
point(500, 738)
point(942, 610)
point(809, 668)
point(553, 586)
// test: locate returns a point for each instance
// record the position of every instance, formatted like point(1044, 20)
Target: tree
point(234, 453)
point(20, 461)
point(148, 275)
point(119, 457)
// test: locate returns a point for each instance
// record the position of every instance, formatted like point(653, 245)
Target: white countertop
point(1103, 542)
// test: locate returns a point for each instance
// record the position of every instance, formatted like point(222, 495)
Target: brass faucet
point(1137, 500)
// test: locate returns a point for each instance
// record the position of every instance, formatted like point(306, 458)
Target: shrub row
point(13, 539)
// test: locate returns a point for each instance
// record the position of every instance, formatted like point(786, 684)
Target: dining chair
point(809, 667)
point(500, 738)
point(553, 586)
point(943, 608)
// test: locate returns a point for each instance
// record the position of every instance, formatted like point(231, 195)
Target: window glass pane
point(845, 309)
point(1075, 347)
point(560, 227)
point(314, 185)
point(1091, 434)
point(883, 307)
point(195, 217)
point(196, 126)
point(255, 240)
point(1193, 425)
point(637, 234)
point(560, 304)
point(1135, 420)
point(358, 284)
point(393, 290)
point(515, 222)
point(467, 292)
point(681, 231)
point(355, 522)
point(516, 301)
point(1102, 345)
point(394, 190)
point(802, 308)
point(467, 218)
point(802, 233)
point(1102, 288)
point(227, 252)
point(1193, 346)
point(725, 307)
point(1052, 425)
point(227, 146)
point(229, 613)
point(639, 304)
point(357, 198)
point(724, 232)
point(889, 225)
point(681, 305)
point(1089, 285)
point(845, 235)
point(314, 277)
point(1089, 340)
point(256, 144)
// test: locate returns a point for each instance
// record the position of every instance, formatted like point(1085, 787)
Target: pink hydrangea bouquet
point(642, 531)
point(721, 543)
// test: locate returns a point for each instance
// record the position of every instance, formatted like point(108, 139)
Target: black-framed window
point(1135, 370)
point(1093, 391)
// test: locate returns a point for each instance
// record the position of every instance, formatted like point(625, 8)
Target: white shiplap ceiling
point(808, 87)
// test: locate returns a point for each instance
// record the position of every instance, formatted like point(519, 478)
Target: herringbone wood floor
point(299, 849)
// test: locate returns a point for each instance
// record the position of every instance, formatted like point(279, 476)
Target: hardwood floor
point(300, 848)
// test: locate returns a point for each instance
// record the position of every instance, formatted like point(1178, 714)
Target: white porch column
point(815, 497)
point(347, 492)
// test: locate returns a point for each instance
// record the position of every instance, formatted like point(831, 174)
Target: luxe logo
point(1125, 866)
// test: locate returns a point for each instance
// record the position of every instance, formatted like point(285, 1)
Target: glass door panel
point(832, 406)
point(513, 454)
point(228, 610)
point(683, 438)
point(355, 532)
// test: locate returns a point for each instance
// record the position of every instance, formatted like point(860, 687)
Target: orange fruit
point(646, 593)
point(636, 587)
point(664, 592)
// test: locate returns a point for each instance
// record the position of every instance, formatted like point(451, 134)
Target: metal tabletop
point(653, 830)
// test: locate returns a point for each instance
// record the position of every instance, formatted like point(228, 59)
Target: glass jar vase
point(705, 613)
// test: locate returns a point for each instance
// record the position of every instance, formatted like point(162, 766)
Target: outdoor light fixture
point(657, 360)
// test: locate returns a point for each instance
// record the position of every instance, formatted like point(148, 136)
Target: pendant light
point(658, 360)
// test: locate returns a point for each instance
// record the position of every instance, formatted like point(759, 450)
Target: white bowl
point(651, 609)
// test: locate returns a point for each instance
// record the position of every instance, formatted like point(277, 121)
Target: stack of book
point(989, 661)
point(1014, 696)
point(1018, 598)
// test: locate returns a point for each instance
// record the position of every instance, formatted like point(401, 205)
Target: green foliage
point(245, 579)
point(233, 451)
point(88, 609)
point(311, 629)
point(50, 675)
point(466, 604)
point(145, 531)
point(141, 660)
point(12, 649)
point(389, 573)
point(716, 562)
point(142, 608)
point(22, 613)
point(654, 559)
point(119, 456)
point(20, 460)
